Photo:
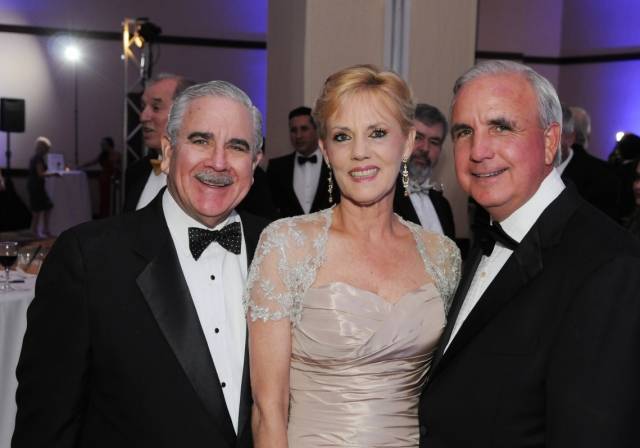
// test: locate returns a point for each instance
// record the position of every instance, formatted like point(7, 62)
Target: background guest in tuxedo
point(632, 223)
point(136, 336)
point(622, 159)
point(541, 343)
point(592, 177)
point(144, 178)
point(426, 205)
point(298, 181)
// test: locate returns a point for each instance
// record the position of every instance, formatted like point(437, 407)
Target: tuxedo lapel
point(526, 262)
point(166, 292)
point(321, 198)
point(468, 271)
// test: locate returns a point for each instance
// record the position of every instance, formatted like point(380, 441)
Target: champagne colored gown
point(358, 362)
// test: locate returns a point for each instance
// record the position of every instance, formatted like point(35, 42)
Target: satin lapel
point(167, 294)
point(287, 177)
point(523, 265)
point(245, 392)
point(321, 198)
point(468, 272)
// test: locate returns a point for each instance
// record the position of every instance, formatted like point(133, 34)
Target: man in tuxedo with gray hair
point(136, 336)
point(542, 339)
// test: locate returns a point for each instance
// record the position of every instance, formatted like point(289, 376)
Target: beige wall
point(307, 40)
point(339, 33)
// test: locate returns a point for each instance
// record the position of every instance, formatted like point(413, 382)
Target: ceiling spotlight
point(72, 53)
point(619, 135)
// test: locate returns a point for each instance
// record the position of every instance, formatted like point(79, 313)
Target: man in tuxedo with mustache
point(136, 336)
point(542, 338)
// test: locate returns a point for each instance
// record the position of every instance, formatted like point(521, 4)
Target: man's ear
point(256, 160)
point(167, 153)
point(551, 143)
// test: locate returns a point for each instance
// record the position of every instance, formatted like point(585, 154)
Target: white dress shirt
point(565, 163)
point(305, 179)
point(516, 226)
point(425, 210)
point(154, 184)
point(216, 281)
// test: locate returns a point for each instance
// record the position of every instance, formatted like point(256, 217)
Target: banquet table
point(69, 193)
point(13, 323)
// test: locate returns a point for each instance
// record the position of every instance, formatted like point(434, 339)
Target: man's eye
point(199, 141)
point(341, 137)
point(502, 128)
point(378, 133)
point(435, 142)
point(461, 133)
point(239, 148)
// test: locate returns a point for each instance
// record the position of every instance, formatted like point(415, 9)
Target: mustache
point(214, 179)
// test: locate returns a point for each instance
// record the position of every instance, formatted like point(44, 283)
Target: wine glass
point(8, 256)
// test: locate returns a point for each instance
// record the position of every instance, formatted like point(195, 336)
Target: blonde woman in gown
point(346, 306)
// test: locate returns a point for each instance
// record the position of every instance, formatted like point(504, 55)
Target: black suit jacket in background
point(549, 355)
point(135, 180)
point(402, 206)
point(258, 200)
point(114, 354)
point(595, 181)
point(280, 178)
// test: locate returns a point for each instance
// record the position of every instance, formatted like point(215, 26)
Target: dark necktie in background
point(302, 159)
point(229, 237)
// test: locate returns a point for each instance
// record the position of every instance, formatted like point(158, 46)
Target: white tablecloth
point(71, 202)
point(13, 323)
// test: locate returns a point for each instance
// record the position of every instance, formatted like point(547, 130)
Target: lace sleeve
point(450, 268)
point(284, 266)
point(442, 259)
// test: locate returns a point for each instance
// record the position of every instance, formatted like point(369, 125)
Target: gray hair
point(568, 123)
point(214, 89)
point(549, 108)
point(430, 116)
point(582, 123)
point(182, 83)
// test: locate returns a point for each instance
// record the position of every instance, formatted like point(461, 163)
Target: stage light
point(619, 135)
point(72, 53)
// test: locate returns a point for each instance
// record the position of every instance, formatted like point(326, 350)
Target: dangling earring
point(330, 182)
point(405, 176)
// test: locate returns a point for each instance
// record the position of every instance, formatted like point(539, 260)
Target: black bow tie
point(489, 235)
point(302, 159)
point(229, 237)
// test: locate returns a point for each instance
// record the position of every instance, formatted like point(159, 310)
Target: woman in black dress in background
point(39, 201)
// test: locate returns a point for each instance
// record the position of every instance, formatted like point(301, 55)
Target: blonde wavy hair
point(364, 79)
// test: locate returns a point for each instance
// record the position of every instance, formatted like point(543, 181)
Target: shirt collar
point(564, 163)
point(316, 152)
point(520, 222)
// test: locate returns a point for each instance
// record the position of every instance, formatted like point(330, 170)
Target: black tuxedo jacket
point(114, 354)
point(280, 177)
point(549, 355)
point(595, 181)
point(402, 206)
point(135, 180)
